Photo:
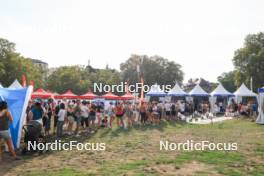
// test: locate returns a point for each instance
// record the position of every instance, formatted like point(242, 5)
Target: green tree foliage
point(228, 80)
point(154, 69)
point(80, 79)
point(65, 78)
point(249, 61)
point(13, 66)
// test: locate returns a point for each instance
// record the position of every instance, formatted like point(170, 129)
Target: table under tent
point(260, 119)
point(176, 93)
point(220, 97)
point(155, 94)
point(199, 96)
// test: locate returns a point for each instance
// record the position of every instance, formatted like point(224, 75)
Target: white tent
point(177, 91)
point(220, 91)
point(243, 91)
point(198, 91)
point(260, 119)
point(155, 91)
point(15, 85)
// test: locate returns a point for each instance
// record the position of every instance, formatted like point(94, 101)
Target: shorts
point(129, 114)
point(5, 134)
point(78, 120)
point(110, 114)
point(71, 119)
point(91, 117)
point(168, 113)
point(119, 116)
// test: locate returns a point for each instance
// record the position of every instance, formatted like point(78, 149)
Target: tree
point(80, 79)
point(155, 69)
point(228, 80)
point(249, 61)
point(65, 78)
point(13, 65)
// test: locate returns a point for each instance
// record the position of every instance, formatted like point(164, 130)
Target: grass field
point(136, 152)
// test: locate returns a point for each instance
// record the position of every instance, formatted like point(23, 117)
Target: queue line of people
point(84, 115)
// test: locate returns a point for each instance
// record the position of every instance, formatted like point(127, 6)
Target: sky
point(200, 35)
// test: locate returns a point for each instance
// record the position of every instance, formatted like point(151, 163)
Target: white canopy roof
point(243, 91)
point(220, 91)
point(198, 91)
point(177, 91)
point(156, 91)
point(15, 85)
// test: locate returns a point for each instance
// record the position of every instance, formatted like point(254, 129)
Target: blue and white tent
point(17, 100)
point(243, 91)
point(155, 91)
point(15, 85)
point(198, 91)
point(221, 91)
point(177, 91)
point(260, 119)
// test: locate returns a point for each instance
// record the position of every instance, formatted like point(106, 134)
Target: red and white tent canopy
point(127, 96)
point(110, 96)
point(41, 93)
point(67, 95)
point(89, 95)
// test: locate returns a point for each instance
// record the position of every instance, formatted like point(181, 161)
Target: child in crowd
point(104, 122)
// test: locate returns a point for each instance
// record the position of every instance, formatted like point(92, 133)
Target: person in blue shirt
point(37, 112)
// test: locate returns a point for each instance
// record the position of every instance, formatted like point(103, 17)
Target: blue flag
point(17, 100)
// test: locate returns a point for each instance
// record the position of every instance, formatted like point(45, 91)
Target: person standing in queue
point(143, 113)
point(77, 115)
point(119, 111)
point(5, 119)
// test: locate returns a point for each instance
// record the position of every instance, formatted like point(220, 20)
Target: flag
point(142, 90)
point(24, 81)
point(31, 83)
point(17, 100)
point(138, 69)
point(251, 84)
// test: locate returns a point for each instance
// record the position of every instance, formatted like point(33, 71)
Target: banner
point(17, 100)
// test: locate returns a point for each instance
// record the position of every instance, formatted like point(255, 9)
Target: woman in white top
point(61, 117)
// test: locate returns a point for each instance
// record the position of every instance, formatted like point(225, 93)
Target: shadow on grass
point(148, 127)
point(8, 163)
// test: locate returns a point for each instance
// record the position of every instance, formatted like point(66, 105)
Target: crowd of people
point(73, 116)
